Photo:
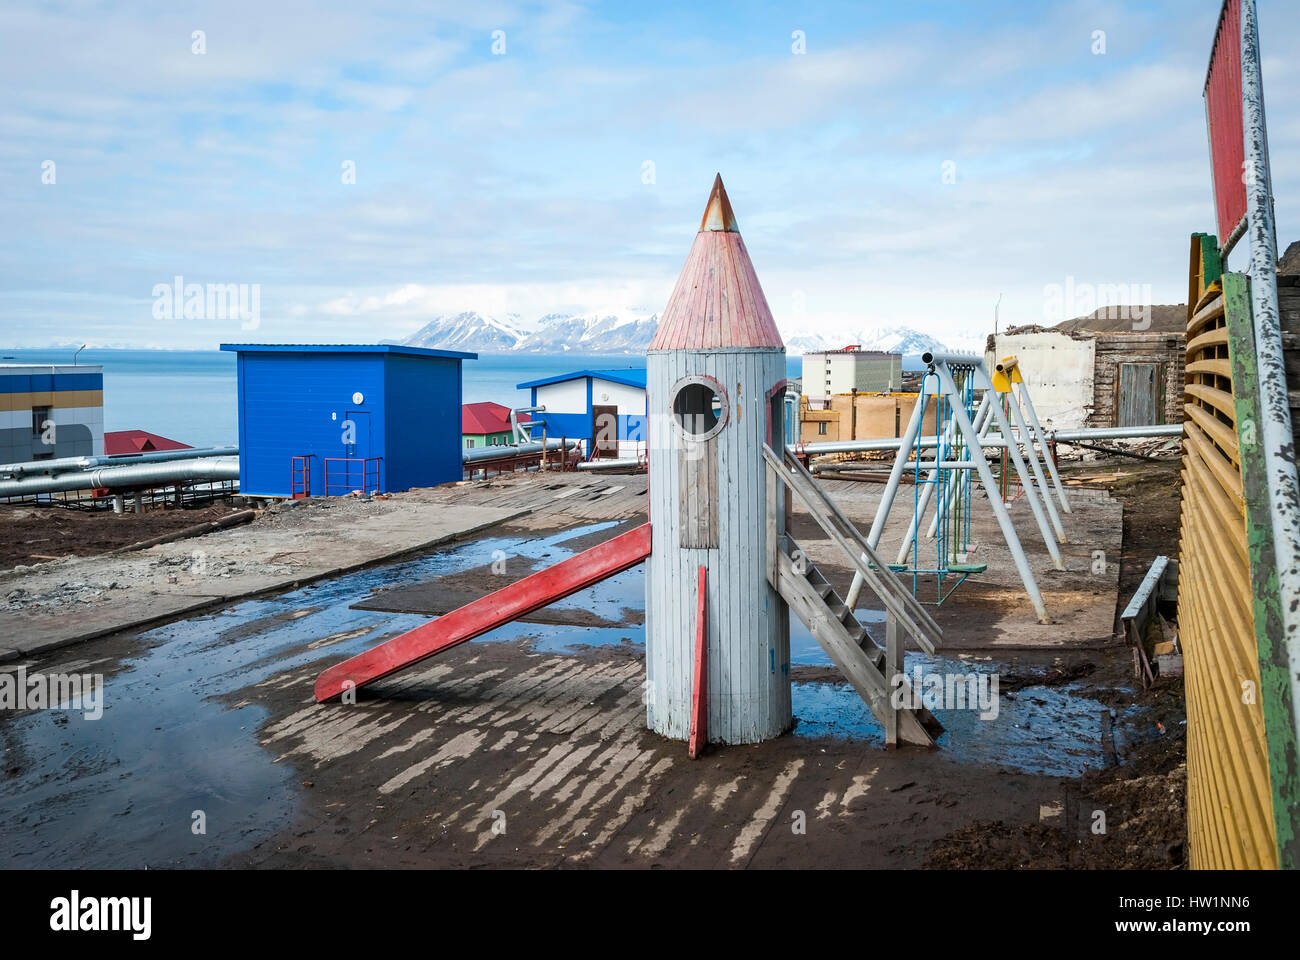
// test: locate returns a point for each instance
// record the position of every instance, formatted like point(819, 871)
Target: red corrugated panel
point(718, 301)
point(1223, 116)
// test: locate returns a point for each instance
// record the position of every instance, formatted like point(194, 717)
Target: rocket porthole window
point(699, 408)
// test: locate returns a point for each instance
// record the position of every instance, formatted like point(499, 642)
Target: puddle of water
point(120, 791)
point(1045, 730)
point(567, 640)
point(610, 599)
point(805, 650)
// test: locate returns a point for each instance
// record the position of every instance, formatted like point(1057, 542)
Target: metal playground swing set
point(947, 485)
point(968, 403)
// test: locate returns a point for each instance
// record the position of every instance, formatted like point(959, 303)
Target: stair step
point(914, 726)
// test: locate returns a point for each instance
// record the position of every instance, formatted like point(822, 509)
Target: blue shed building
point(605, 409)
point(321, 420)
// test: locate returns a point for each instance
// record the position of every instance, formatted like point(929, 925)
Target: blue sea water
point(189, 395)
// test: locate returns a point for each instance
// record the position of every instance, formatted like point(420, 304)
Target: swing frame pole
point(1013, 448)
point(909, 545)
point(1021, 390)
point(991, 489)
point(981, 422)
point(905, 443)
point(1022, 432)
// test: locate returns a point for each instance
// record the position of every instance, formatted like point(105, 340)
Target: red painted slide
point(497, 608)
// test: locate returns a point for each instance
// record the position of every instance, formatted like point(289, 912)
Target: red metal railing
point(348, 476)
point(300, 476)
point(564, 459)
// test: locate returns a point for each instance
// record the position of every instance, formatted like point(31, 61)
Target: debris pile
point(68, 593)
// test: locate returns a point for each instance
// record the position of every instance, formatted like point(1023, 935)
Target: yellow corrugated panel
point(1229, 798)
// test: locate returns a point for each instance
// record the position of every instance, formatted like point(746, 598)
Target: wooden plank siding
point(1114, 350)
point(1229, 794)
point(748, 622)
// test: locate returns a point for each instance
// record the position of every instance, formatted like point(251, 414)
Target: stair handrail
point(896, 597)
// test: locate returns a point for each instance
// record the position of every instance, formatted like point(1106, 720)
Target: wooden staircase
point(865, 664)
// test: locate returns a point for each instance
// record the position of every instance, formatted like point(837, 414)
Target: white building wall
point(1057, 369)
point(567, 396)
point(17, 442)
point(826, 374)
point(748, 622)
point(92, 418)
point(629, 400)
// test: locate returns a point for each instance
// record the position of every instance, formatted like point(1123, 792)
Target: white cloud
point(513, 184)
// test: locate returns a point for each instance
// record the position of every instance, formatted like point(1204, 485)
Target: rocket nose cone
point(718, 214)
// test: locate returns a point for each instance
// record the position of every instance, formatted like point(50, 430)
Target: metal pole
point(1118, 433)
point(1013, 449)
point(1027, 439)
point(995, 501)
point(1275, 433)
point(1023, 394)
point(891, 489)
point(923, 503)
point(1170, 430)
point(981, 422)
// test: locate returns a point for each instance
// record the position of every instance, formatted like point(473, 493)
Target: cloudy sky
point(530, 158)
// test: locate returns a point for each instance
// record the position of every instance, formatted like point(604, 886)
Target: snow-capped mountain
point(630, 333)
point(611, 333)
point(553, 333)
point(471, 332)
point(902, 340)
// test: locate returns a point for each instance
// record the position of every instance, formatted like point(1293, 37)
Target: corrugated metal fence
point(1241, 799)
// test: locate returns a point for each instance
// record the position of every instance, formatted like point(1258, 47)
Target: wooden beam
point(699, 693)
point(851, 660)
point(893, 668)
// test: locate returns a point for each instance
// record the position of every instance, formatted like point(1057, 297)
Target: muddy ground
point(542, 730)
point(1143, 802)
point(1150, 497)
point(30, 535)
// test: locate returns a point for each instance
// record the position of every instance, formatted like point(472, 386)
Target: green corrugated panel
point(1274, 670)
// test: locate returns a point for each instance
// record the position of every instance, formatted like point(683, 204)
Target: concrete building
point(605, 409)
point(487, 424)
point(869, 416)
point(329, 419)
point(49, 411)
point(843, 371)
point(1105, 378)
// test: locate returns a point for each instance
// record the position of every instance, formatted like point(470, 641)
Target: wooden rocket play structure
point(722, 571)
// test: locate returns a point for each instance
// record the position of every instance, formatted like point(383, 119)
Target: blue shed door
point(359, 435)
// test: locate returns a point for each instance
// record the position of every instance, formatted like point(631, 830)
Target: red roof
point(486, 417)
point(121, 442)
point(717, 301)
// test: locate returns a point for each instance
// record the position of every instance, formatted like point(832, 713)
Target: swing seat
point(967, 568)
